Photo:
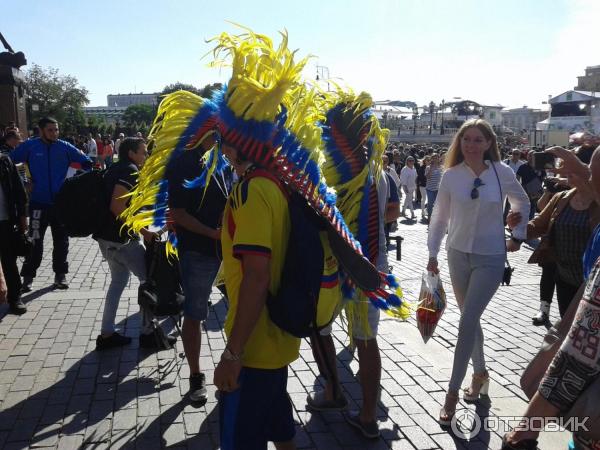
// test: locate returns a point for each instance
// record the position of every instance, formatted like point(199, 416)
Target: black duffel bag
point(162, 293)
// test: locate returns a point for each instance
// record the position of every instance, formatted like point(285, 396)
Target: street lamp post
point(431, 109)
point(442, 106)
point(415, 113)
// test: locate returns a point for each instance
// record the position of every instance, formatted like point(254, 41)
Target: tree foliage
point(205, 92)
point(170, 88)
point(135, 114)
point(56, 95)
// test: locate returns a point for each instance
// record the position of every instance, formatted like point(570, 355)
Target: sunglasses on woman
point(477, 183)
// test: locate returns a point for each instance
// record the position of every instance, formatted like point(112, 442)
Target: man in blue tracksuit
point(48, 158)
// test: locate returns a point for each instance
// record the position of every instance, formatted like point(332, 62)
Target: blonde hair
point(455, 156)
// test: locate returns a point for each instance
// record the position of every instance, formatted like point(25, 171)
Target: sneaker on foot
point(17, 307)
point(60, 281)
point(114, 340)
point(318, 402)
point(149, 341)
point(197, 392)
point(369, 430)
point(27, 282)
point(541, 318)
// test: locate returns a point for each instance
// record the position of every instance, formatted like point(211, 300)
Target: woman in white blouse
point(469, 206)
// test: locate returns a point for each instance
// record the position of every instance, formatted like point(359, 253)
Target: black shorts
point(257, 412)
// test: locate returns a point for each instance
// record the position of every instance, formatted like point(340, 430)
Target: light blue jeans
point(122, 259)
point(475, 279)
point(431, 196)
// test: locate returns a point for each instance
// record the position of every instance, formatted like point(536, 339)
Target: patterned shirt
point(570, 235)
point(577, 362)
point(434, 176)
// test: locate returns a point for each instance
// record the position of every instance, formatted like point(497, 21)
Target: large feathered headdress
point(275, 121)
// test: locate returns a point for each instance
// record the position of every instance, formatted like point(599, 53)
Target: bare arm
point(3, 287)
point(118, 204)
point(251, 301)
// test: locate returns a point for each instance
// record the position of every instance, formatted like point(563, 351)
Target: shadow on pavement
point(99, 386)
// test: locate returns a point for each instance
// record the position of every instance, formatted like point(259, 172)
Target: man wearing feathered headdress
point(266, 123)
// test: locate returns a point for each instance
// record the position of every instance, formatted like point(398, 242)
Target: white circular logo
point(465, 424)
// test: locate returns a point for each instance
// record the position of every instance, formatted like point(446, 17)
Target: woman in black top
point(122, 250)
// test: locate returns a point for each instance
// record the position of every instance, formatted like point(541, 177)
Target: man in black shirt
point(121, 249)
point(197, 215)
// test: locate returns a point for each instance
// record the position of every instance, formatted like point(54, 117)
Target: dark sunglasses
point(477, 183)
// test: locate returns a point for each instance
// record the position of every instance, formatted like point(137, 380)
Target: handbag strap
point(501, 206)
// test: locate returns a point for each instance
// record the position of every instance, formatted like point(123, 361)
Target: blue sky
point(512, 52)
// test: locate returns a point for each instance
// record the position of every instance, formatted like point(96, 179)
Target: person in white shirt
point(388, 168)
point(469, 206)
point(515, 160)
point(118, 142)
point(408, 182)
point(91, 149)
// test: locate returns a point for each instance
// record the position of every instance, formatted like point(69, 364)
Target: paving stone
point(124, 419)
point(46, 436)
point(73, 442)
point(128, 399)
point(22, 430)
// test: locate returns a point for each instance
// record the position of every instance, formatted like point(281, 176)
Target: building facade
point(573, 111)
point(590, 81)
point(519, 119)
point(110, 114)
point(125, 100)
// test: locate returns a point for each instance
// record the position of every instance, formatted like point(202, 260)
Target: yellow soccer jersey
point(257, 221)
point(330, 293)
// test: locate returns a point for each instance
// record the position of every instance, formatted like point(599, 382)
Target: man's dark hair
point(45, 121)
point(129, 144)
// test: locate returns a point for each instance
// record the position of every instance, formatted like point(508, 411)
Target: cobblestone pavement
point(57, 392)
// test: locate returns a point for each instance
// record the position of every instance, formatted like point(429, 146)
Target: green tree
point(138, 114)
point(144, 129)
point(58, 96)
point(95, 124)
point(208, 90)
point(170, 88)
point(110, 130)
point(205, 92)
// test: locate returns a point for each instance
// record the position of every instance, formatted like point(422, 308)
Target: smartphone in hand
point(543, 161)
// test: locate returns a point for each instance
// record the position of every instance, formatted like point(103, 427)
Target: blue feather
point(392, 281)
point(394, 300)
point(380, 303)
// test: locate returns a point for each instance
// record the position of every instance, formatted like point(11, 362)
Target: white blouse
point(476, 225)
point(408, 178)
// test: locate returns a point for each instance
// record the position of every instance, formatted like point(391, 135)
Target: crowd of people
point(473, 188)
point(239, 217)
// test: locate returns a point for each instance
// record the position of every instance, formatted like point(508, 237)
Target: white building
point(524, 118)
point(573, 111)
point(110, 114)
point(113, 100)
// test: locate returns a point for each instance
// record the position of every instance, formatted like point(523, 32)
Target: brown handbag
point(543, 253)
point(586, 404)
